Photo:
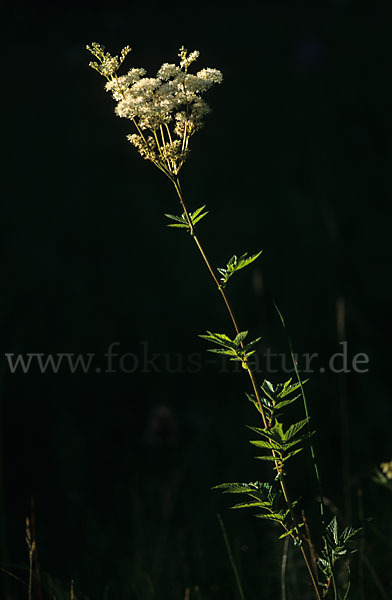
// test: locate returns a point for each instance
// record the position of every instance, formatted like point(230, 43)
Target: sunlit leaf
point(291, 454)
point(235, 264)
point(266, 444)
point(295, 428)
point(235, 488)
point(240, 337)
point(284, 403)
point(271, 517)
point(289, 389)
point(251, 505)
point(182, 221)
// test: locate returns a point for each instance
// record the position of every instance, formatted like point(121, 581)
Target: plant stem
point(283, 569)
point(344, 413)
point(312, 577)
point(312, 451)
point(231, 558)
point(335, 591)
point(177, 187)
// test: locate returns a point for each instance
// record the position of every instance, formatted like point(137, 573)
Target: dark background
point(294, 160)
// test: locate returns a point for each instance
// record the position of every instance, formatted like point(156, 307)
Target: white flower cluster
point(108, 65)
point(169, 105)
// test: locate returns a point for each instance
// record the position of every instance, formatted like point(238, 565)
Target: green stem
point(231, 558)
point(312, 577)
point(335, 591)
point(282, 482)
point(283, 568)
point(312, 452)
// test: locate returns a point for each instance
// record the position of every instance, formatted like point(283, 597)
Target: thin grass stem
point(344, 413)
point(231, 558)
point(283, 568)
point(305, 404)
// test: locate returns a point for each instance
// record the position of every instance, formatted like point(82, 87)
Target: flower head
point(169, 106)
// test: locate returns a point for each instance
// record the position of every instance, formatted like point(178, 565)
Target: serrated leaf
point(271, 445)
point(251, 344)
point(274, 433)
point(240, 337)
point(266, 402)
point(291, 531)
point(286, 384)
point(299, 440)
point(233, 347)
point(196, 216)
point(182, 221)
point(269, 458)
point(175, 218)
point(289, 389)
point(235, 488)
point(277, 431)
point(221, 351)
point(260, 430)
point(251, 505)
point(284, 403)
point(253, 400)
point(332, 531)
point(285, 534)
point(199, 218)
point(322, 562)
point(246, 260)
point(291, 454)
point(219, 338)
point(265, 489)
point(268, 390)
point(235, 264)
point(348, 533)
point(196, 212)
point(271, 517)
point(295, 428)
point(339, 552)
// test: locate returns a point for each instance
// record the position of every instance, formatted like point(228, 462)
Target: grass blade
point(312, 452)
point(231, 558)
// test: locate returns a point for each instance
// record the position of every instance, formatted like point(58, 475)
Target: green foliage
point(278, 445)
point(280, 441)
point(182, 221)
point(261, 495)
point(235, 348)
point(265, 497)
point(235, 264)
point(275, 398)
point(336, 546)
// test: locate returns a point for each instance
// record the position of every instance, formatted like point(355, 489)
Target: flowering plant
point(166, 111)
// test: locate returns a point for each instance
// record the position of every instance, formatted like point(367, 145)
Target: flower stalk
point(166, 111)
